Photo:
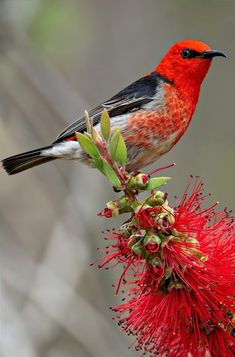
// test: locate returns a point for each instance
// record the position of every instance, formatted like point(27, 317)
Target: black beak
point(212, 53)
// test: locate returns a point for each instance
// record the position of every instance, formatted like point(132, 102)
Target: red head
point(187, 63)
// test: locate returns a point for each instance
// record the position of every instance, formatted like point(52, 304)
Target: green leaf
point(98, 163)
point(112, 147)
point(87, 145)
point(105, 124)
point(111, 175)
point(156, 182)
point(121, 151)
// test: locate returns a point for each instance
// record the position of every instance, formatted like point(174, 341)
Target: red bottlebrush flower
point(174, 323)
point(182, 264)
point(174, 317)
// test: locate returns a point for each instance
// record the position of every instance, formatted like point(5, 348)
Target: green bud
point(141, 180)
point(120, 205)
point(124, 204)
point(152, 238)
point(152, 243)
point(138, 182)
point(160, 201)
point(112, 204)
point(157, 199)
point(138, 248)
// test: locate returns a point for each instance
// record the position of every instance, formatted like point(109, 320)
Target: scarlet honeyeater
point(152, 113)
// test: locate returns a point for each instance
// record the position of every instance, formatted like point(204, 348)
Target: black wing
point(133, 97)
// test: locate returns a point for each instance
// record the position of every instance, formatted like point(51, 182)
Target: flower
point(175, 323)
point(179, 269)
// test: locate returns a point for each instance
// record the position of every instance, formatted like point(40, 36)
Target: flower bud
point(141, 180)
point(119, 206)
point(124, 204)
point(113, 206)
point(157, 199)
point(138, 182)
point(138, 249)
point(152, 243)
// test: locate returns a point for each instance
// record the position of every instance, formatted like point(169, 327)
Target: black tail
point(25, 161)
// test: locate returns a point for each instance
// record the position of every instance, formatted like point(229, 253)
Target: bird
point(152, 113)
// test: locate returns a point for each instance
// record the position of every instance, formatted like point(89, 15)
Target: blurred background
point(58, 58)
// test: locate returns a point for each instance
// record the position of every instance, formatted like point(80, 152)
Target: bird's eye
point(186, 53)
